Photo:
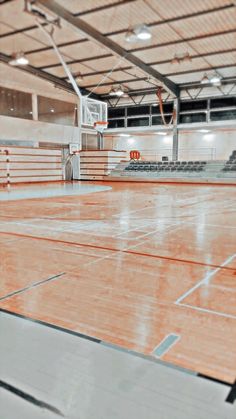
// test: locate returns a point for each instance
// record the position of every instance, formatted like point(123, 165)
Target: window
point(138, 122)
point(157, 120)
point(138, 110)
point(223, 102)
point(56, 111)
point(192, 117)
point(167, 108)
point(116, 123)
point(15, 103)
point(193, 105)
point(223, 115)
point(116, 112)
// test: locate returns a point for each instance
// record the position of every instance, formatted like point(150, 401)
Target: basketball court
point(117, 210)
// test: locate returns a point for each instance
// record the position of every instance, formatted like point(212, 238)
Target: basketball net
point(100, 126)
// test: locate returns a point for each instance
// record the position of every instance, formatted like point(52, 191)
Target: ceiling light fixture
point(117, 92)
point(204, 130)
point(124, 135)
point(215, 79)
point(161, 133)
point(138, 33)
point(181, 58)
point(18, 58)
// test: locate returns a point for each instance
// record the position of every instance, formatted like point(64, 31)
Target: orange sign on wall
point(134, 155)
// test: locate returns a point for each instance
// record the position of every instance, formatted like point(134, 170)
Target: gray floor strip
point(165, 345)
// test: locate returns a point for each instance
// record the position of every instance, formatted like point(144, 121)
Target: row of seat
point(229, 168)
point(167, 163)
point(160, 168)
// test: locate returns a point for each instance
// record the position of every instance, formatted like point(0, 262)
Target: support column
point(35, 107)
point(175, 146)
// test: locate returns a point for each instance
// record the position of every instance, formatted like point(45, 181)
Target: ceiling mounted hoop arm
point(36, 12)
point(64, 65)
point(160, 100)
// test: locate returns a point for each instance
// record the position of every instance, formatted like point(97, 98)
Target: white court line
point(132, 212)
point(208, 225)
point(206, 310)
point(205, 280)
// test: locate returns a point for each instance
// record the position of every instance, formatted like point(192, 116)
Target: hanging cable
point(159, 97)
point(108, 74)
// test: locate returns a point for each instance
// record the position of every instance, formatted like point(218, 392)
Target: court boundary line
point(206, 279)
point(34, 285)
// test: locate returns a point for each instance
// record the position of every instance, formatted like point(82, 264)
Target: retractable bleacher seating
point(166, 166)
point(230, 165)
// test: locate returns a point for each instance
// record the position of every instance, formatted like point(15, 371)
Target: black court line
point(107, 344)
point(52, 326)
point(35, 284)
point(31, 399)
point(232, 394)
point(215, 380)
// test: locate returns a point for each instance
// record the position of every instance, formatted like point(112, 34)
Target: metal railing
point(201, 153)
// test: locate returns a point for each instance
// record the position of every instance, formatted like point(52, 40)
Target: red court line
point(94, 246)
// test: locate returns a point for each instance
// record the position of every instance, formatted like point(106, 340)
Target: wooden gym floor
point(129, 266)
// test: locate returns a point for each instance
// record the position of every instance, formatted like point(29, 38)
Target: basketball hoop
point(100, 126)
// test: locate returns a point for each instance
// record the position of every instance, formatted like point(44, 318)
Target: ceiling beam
point(56, 81)
point(183, 86)
point(93, 34)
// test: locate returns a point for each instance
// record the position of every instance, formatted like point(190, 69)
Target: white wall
point(35, 131)
point(216, 144)
point(15, 78)
point(22, 130)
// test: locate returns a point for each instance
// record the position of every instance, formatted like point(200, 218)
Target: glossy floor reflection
point(129, 266)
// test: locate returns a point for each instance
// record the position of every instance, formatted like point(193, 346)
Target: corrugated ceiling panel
point(12, 13)
point(215, 43)
point(75, 68)
point(175, 68)
point(84, 50)
point(173, 8)
point(19, 42)
point(164, 53)
point(202, 25)
point(61, 35)
point(222, 59)
point(187, 78)
point(122, 17)
point(4, 28)
point(228, 72)
point(102, 90)
point(138, 85)
point(130, 74)
point(44, 58)
point(75, 6)
point(105, 64)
